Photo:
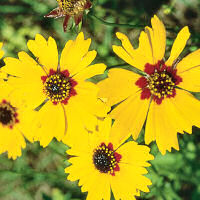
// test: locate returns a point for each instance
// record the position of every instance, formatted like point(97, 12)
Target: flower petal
point(119, 85)
point(158, 38)
point(188, 106)
point(135, 154)
point(11, 141)
point(160, 129)
point(178, 45)
point(126, 183)
point(49, 123)
point(75, 55)
point(91, 71)
point(45, 51)
point(129, 118)
point(189, 70)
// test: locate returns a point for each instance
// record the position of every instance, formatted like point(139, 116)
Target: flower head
point(63, 100)
point(14, 121)
point(159, 96)
point(98, 158)
point(70, 8)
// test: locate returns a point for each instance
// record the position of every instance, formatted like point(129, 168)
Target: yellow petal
point(160, 128)
point(75, 56)
point(189, 70)
point(11, 141)
point(49, 123)
point(91, 71)
point(127, 181)
point(123, 54)
point(178, 45)
point(82, 112)
point(145, 49)
point(24, 67)
point(135, 154)
point(129, 118)
point(135, 57)
point(158, 38)
point(45, 51)
point(119, 85)
point(188, 106)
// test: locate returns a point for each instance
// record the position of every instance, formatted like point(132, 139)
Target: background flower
point(14, 121)
point(68, 9)
point(96, 158)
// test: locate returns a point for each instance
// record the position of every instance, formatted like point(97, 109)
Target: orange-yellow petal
point(160, 129)
point(119, 85)
point(178, 45)
point(91, 71)
point(189, 70)
point(45, 51)
point(49, 123)
point(76, 55)
point(129, 118)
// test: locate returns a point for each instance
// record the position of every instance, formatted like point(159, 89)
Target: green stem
point(114, 24)
point(92, 16)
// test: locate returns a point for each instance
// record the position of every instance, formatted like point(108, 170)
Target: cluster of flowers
point(45, 98)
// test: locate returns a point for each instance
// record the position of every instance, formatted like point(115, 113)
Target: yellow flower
point(158, 96)
point(102, 165)
point(14, 120)
point(60, 94)
point(70, 8)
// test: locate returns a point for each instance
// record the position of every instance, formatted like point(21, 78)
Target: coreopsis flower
point(160, 94)
point(14, 120)
point(101, 165)
point(68, 9)
point(64, 100)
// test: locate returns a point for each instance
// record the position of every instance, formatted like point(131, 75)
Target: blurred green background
point(39, 173)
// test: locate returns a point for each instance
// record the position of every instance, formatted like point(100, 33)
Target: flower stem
point(92, 16)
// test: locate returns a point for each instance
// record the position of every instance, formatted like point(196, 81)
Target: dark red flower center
point(106, 159)
point(8, 114)
point(159, 82)
point(59, 86)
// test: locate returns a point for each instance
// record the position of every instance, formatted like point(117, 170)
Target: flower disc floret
point(106, 159)
point(72, 7)
point(159, 82)
point(58, 86)
point(8, 114)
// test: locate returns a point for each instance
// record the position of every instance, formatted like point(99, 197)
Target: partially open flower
point(70, 8)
